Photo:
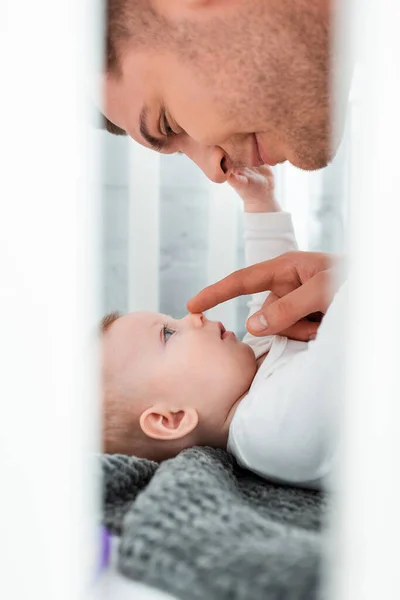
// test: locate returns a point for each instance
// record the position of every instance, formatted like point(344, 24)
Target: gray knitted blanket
point(201, 528)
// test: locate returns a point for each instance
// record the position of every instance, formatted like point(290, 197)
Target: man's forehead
point(114, 103)
point(126, 93)
point(129, 99)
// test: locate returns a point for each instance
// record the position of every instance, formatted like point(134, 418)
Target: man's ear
point(161, 423)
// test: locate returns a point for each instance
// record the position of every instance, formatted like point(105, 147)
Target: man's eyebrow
point(156, 143)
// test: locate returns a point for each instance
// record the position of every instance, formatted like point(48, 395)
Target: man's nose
point(212, 160)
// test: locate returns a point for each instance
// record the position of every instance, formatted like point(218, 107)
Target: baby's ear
point(161, 423)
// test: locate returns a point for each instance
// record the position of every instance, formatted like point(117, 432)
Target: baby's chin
point(248, 351)
point(248, 360)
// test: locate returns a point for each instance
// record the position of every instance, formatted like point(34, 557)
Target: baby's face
point(190, 361)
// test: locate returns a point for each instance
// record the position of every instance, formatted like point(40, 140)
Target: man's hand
point(302, 284)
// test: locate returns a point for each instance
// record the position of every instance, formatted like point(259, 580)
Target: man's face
point(237, 83)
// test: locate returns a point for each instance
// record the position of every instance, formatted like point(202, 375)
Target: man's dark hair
point(110, 127)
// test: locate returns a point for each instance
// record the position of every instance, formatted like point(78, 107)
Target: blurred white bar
point(293, 192)
point(222, 246)
point(328, 206)
point(144, 229)
point(115, 170)
point(369, 529)
point(48, 300)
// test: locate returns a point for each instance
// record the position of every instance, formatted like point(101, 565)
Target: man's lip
point(257, 160)
point(267, 160)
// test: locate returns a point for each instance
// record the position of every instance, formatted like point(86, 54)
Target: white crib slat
point(222, 246)
point(48, 300)
point(144, 229)
point(293, 191)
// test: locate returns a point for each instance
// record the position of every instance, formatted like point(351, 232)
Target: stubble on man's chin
point(309, 151)
point(311, 162)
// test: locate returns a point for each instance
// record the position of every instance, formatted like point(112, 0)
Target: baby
point(172, 384)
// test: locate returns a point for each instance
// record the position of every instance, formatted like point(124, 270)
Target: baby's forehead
point(132, 337)
point(137, 323)
point(140, 319)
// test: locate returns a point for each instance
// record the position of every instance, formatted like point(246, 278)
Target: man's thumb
point(257, 324)
point(276, 315)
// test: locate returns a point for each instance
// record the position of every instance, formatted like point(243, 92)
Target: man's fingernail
point(258, 322)
point(312, 337)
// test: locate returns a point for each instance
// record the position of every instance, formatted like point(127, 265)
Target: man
point(228, 83)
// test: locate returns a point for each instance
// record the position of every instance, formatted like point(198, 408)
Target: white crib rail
point(48, 300)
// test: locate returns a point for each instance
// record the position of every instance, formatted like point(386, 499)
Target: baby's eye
point(167, 332)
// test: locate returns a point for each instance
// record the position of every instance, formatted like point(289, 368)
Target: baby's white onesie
point(286, 428)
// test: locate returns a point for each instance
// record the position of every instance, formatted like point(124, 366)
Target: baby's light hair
point(108, 320)
point(122, 433)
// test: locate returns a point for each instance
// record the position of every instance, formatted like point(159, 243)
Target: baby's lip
point(224, 333)
point(222, 329)
point(228, 334)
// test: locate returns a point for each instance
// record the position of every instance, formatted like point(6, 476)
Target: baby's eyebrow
point(155, 325)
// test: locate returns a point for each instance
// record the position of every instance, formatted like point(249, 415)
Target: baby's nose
point(197, 320)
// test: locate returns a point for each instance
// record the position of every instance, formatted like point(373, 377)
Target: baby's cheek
point(247, 364)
